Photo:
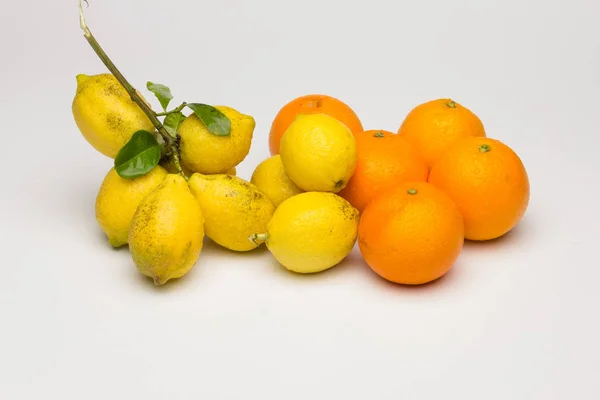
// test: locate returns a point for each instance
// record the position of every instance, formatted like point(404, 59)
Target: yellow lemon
point(119, 198)
point(233, 207)
point(105, 114)
point(319, 153)
point(167, 231)
point(203, 152)
point(311, 232)
point(270, 177)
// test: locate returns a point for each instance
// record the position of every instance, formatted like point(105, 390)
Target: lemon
point(233, 207)
point(318, 153)
point(203, 152)
point(270, 177)
point(167, 231)
point(105, 114)
point(311, 232)
point(118, 199)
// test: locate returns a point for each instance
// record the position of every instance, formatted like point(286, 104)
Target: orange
point(488, 182)
point(411, 233)
point(435, 125)
point(384, 159)
point(311, 104)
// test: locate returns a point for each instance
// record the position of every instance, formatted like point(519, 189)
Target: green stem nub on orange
point(378, 134)
point(412, 192)
point(452, 104)
point(484, 148)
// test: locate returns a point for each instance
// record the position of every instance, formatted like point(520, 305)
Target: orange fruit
point(311, 104)
point(435, 125)
point(411, 233)
point(384, 159)
point(488, 182)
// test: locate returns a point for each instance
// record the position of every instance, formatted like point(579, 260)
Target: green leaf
point(139, 156)
point(172, 122)
point(162, 93)
point(216, 122)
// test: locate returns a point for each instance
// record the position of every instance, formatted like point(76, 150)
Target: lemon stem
point(259, 238)
point(176, 110)
point(171, 143)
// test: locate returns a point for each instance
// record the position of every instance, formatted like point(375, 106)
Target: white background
point(516, 318)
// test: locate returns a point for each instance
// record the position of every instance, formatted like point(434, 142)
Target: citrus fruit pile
point(419, 192)
point(409, 198)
